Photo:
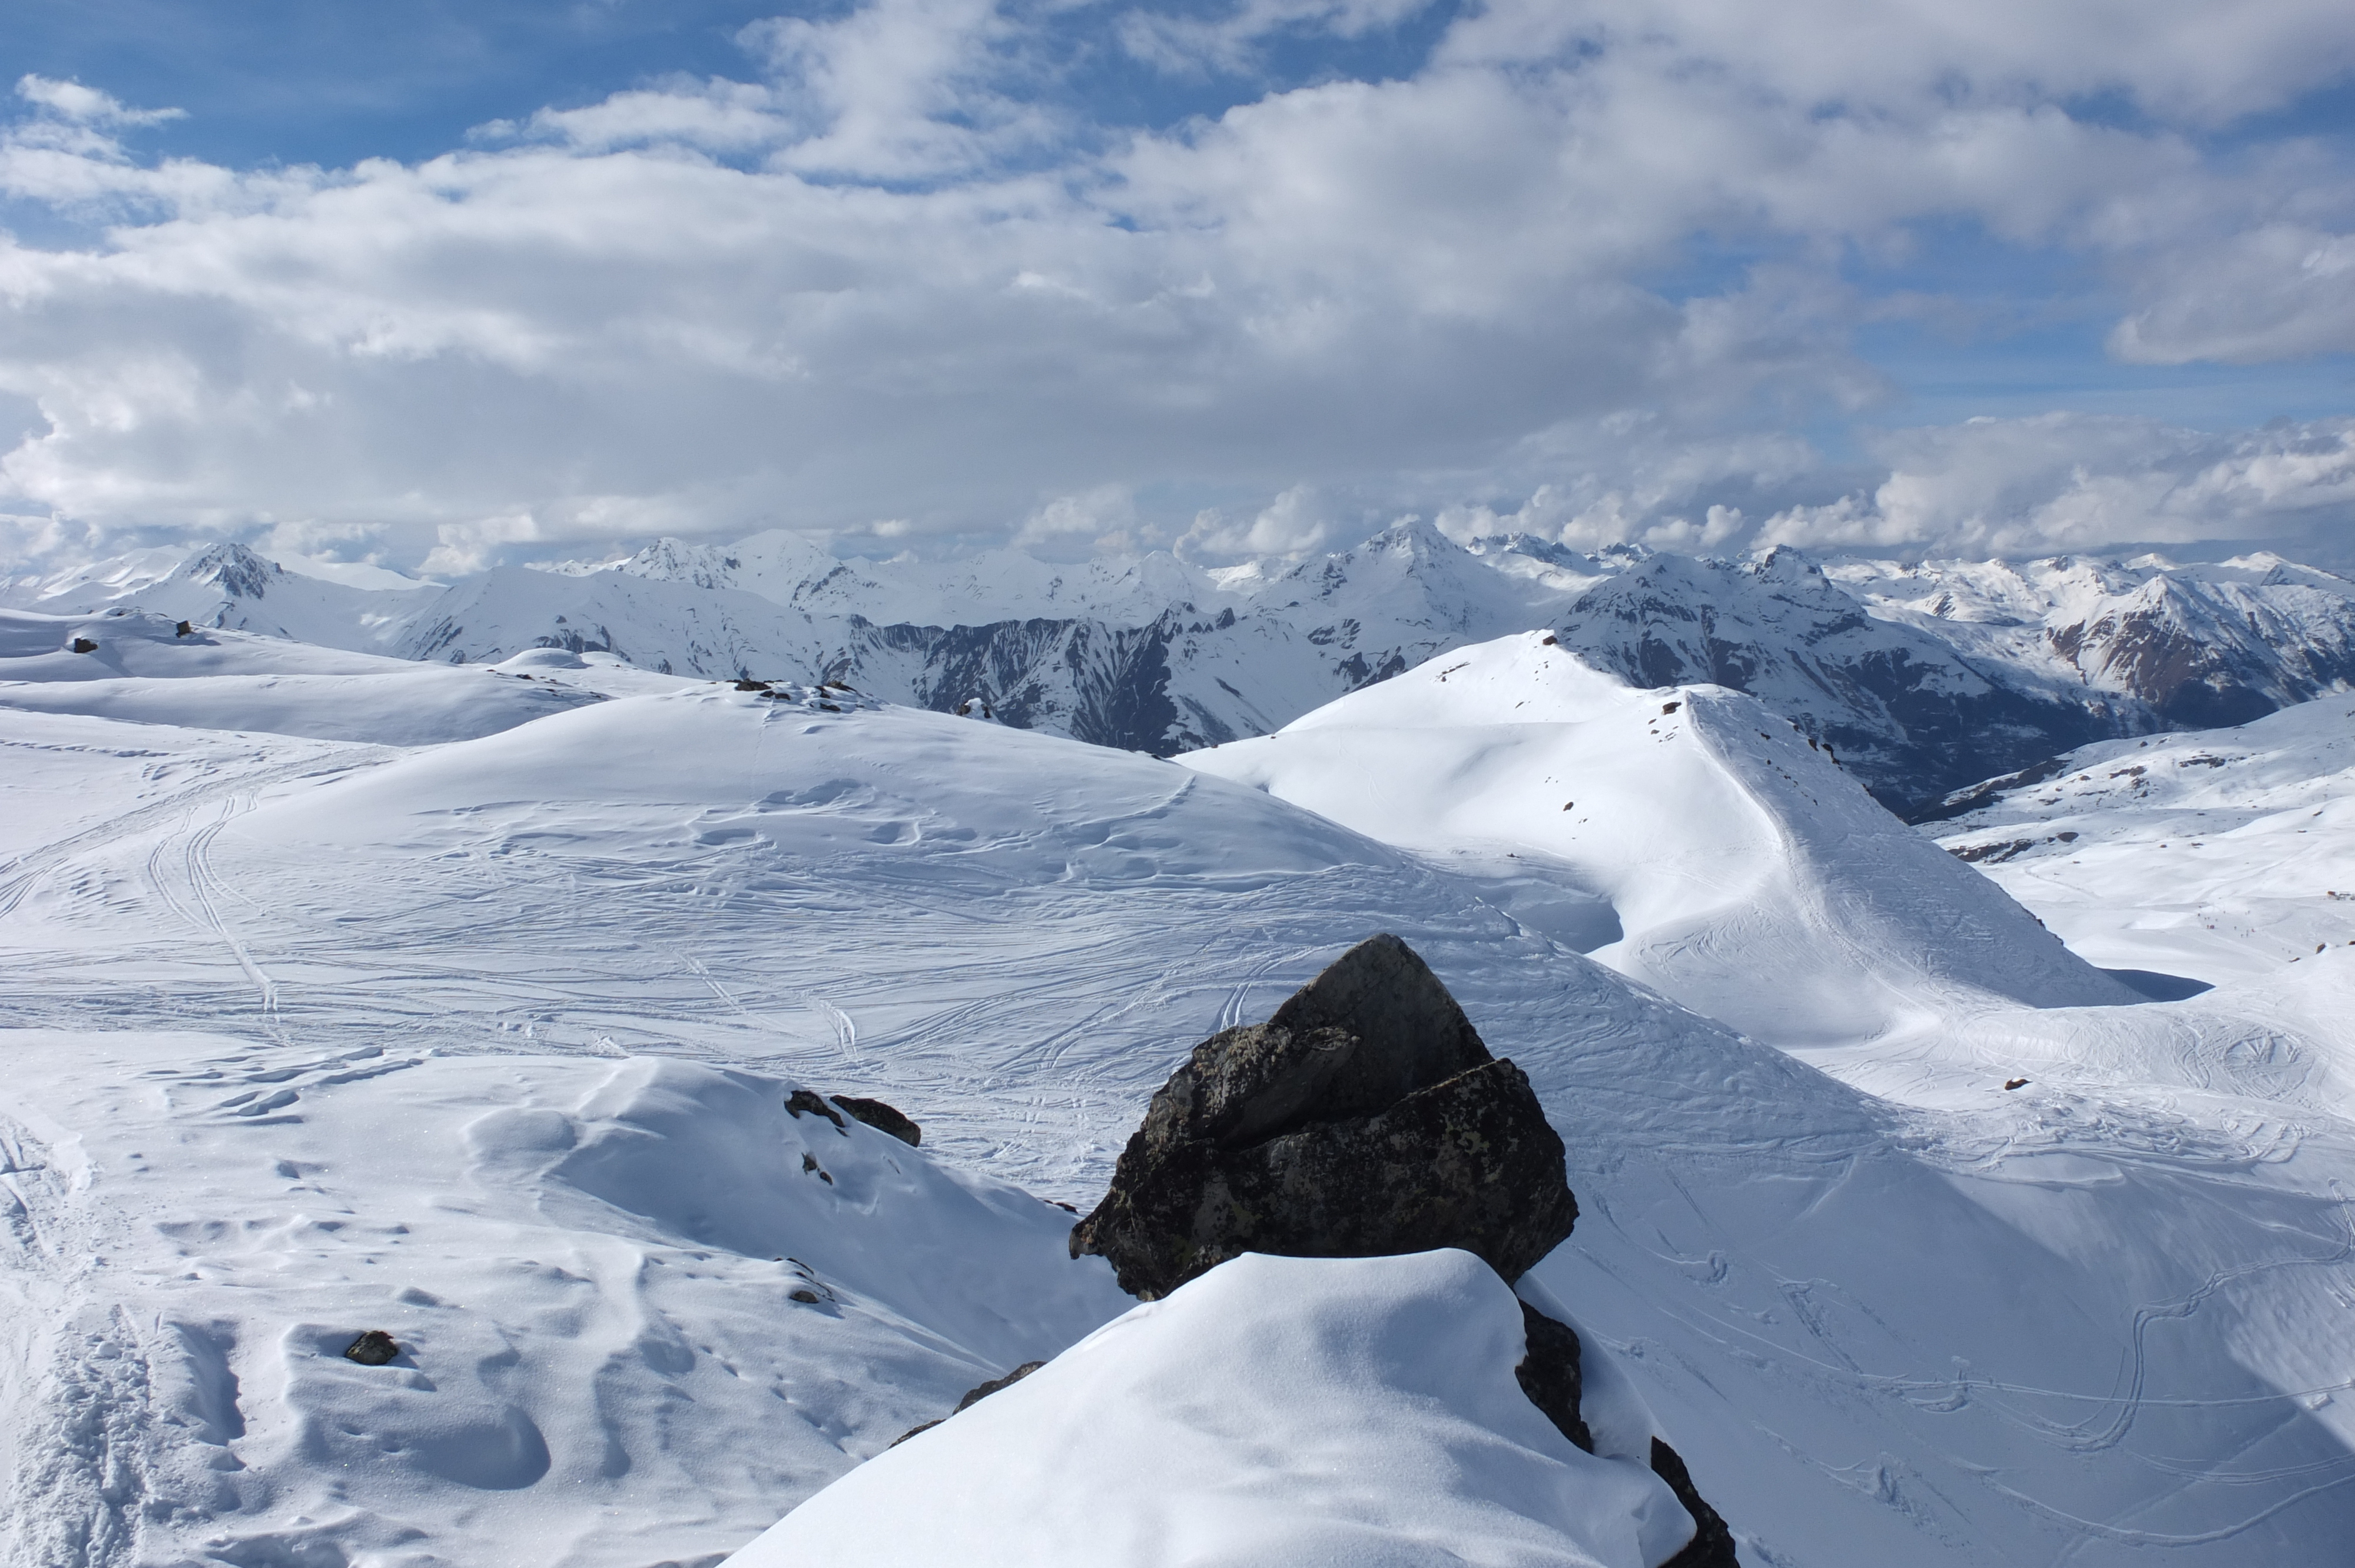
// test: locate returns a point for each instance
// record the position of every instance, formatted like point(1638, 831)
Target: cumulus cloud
point(2078, 481)
point(892, 286)
point(1296, 521)
point(1101, 520)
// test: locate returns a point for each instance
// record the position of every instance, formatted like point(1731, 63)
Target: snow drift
point(1683, 835)
point(1357, 1411)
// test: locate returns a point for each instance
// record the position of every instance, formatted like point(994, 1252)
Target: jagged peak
point(236, 569)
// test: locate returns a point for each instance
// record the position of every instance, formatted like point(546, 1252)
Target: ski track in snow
point(2124, 1345)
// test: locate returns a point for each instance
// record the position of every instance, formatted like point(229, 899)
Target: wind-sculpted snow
point(1722, 844)
point(1276, 1409)
point(628, 1317)
point(2082, 1321)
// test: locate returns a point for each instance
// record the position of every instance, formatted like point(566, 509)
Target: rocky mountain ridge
point(1924, 677)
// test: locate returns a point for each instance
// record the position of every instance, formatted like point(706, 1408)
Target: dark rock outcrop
point(1548, 1373)
point(373, 1348)
point(972, 1397)
point(809, 1102)
point(881, 1117)
point(1712, 1542)
point(1365, 1118)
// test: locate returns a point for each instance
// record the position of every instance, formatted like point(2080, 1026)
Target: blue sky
point(1225, 278)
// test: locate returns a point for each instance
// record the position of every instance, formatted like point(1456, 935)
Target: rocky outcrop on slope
point(1365, 1118)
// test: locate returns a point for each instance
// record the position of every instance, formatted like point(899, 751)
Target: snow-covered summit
point(1694, 840)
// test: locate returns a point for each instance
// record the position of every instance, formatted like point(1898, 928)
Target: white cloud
point(80, 105)
point(1198, 44)
point(2077, 482)
point(1099, 520)
point(1296, 521)
point(2280, 292)
point(885, 280)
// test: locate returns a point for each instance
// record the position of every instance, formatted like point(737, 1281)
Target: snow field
point(2217, 854)
point(579, 1257)
point(2082, 1324)
point(141, 671)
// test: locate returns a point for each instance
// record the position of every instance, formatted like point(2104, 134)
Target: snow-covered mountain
point(2195, 645)
point(487, 1043)
point(1923, 678)
point(1684, 835)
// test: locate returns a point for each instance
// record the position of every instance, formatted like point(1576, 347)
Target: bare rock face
point(1712, 1542)
point(1365, 1118)
point(1549, 1373)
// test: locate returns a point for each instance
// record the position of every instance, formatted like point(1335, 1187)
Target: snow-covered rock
point(1274, 1411)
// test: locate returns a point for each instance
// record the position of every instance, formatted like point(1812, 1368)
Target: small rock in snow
point(373, 1348)
point(808, 1102)
point(883, 1117)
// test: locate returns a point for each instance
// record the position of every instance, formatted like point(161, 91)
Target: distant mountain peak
point(236, 570)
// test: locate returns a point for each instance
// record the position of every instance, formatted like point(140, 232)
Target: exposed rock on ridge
point(1365, 1118)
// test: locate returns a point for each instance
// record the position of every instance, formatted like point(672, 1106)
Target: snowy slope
point(1696, 834)
point(144, 671)
point(584, 1261)
point(227, 587)
point(2085, 1322)
point(657, 624)
point(2220, 855)
point(1913, 714)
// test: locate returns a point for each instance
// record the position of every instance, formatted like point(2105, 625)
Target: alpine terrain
point(1430, 1055)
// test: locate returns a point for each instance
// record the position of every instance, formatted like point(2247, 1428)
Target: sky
point(441, 286)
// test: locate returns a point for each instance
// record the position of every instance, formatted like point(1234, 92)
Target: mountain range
point(1924, 677)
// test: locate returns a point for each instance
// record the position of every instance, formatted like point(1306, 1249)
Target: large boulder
point(1365, 1118)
